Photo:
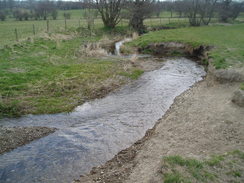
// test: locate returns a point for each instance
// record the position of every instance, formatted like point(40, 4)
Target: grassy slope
point(47, 76)
point(219, 168)
point(227, 40)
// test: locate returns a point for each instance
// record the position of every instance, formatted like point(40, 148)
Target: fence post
point(16, 35)
point(34, 30)
point(47, 25)
point(65, 24)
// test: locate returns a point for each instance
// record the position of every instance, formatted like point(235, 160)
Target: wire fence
point(12, 31)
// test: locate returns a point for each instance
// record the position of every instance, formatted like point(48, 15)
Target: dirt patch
point(199, 53)
point(13, 137)
point(16, 70)
point(201, 122)
point(229, 75)
point(238, 98)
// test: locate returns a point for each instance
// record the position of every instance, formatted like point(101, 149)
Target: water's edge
point(97, 130)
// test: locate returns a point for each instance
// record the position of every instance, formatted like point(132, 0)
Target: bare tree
point(90, 14)
point(110, 11)
point(193, 7)
point(140, 10)
point(224, 10)
point(54, 14)
point(2, 16)
point(43, 9)
point(180, 8)
point(206, 10)
point(67, 15)
point(21, 14)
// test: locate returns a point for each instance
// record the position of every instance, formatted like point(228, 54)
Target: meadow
point(227, 41)
point(25, 28)
point(52, 74)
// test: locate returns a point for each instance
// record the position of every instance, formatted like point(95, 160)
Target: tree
point(157, 8)
point(193, 10)
point(140, 10)
point(206, 10)
point(225, 10)
point(54, 14)
point(180, 8)
point(21, 14)
point(2, 16)
point(236, 8)
point(43, 9)
point(110, 11)
point(67, 15)
point(229, 9)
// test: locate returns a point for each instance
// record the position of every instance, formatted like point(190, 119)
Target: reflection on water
point(96, 130)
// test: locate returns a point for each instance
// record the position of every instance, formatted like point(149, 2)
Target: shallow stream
point(95, 131)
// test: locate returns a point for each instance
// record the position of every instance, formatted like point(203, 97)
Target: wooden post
point(34, 30)
point(65, 24)
point(47, 25)
point(16, 35)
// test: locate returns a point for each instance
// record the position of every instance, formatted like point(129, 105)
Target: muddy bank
point(13, 137)
point(201, 122)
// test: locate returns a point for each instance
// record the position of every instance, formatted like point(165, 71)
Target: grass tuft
point(174, 167)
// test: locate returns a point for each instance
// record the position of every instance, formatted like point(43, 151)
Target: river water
point(95, 131)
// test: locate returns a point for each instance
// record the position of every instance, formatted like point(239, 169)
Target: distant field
point(25, 28)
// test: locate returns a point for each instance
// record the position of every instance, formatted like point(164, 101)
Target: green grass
point(50, 76)
point(228, 41)
point(175, 177)
point(25, 28)
point(242, 86)
point(134, 74)
point(227, 167)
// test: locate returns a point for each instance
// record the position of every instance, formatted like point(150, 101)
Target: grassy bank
point(228, 41)
point(218, 168)
point(51, 75)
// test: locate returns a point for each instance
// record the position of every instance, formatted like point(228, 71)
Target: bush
point(67, 15)
point(2, 16)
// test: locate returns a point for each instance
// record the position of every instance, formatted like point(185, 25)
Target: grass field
point(25, 28)
point(49, 75)
point(228, 41)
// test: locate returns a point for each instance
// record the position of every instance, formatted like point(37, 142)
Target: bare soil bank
point(202, 121)
point(13, 137)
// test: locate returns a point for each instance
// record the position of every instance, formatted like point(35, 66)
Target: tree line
point(198, 12)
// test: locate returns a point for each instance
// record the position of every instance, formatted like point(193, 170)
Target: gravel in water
point(13, 137)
